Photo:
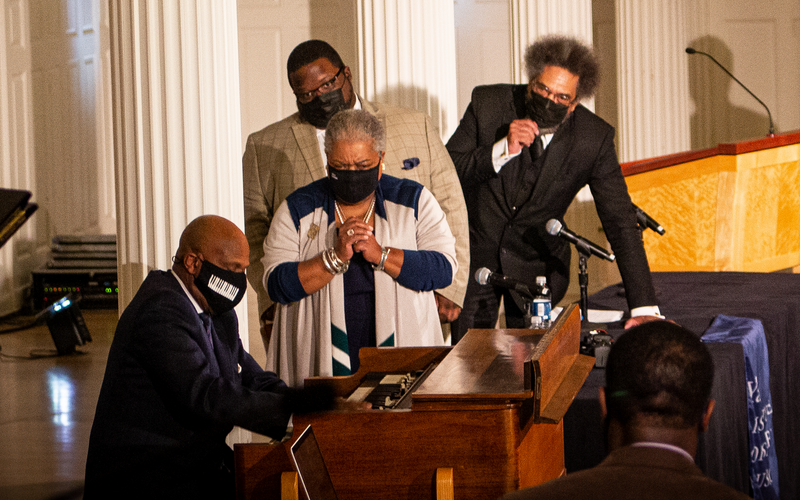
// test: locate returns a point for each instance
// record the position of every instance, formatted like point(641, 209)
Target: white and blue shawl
point(309, 337)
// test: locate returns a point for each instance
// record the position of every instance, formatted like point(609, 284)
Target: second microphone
point(555, 228)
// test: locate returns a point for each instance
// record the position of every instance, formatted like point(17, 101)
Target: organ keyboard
point(386, 391)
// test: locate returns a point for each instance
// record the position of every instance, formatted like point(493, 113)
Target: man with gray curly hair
point(522, 153)
point(567, 53)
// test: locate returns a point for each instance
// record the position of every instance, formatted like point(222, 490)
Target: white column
point(25, 250)
point(531, 19)
point(652, 78)
point(406, 53)
point(177, 134)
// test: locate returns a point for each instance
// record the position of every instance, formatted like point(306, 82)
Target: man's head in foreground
point(658, 387)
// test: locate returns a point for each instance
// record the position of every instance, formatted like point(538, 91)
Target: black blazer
point(513, 240)
point(169, 399)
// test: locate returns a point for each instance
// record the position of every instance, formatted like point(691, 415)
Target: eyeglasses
point(545, 91)
point(305, 97)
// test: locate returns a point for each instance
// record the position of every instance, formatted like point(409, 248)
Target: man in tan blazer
point(288, 154)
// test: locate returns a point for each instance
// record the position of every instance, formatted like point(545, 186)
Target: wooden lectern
point(735, 207)
point(491, 410)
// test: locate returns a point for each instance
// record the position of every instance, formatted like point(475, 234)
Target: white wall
point(483, 46)
point(761, 47)
point(268, 31)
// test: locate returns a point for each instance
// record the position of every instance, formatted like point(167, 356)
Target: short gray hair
point(355, 125)
point(568, 53)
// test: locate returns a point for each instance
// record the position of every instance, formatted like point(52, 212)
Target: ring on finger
point(350, 232)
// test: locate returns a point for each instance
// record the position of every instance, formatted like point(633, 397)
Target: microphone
point(485, 277)
point(646, 221)
point(771, 133)
point(585, 246)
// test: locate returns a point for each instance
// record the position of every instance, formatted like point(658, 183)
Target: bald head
point(215, 239)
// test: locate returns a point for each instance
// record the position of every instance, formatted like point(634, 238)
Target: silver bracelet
point(327, 262)
point(382, 263)
point(333, 264)
point(335, 260)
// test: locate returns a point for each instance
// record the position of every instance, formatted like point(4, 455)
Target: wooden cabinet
point(491, 410)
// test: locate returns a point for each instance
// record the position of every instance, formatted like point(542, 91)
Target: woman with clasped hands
point(353, 259)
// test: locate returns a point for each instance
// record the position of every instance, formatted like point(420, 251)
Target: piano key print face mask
point(222, 289)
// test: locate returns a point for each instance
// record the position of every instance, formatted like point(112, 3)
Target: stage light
point(66, 324)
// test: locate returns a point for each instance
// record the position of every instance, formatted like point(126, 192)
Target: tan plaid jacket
point(285, 156)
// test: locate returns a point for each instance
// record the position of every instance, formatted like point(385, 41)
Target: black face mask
point(320, 110)
point(352, 186)
point(222, 289)
point(545, 112)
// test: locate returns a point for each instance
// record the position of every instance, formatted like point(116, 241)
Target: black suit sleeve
point(171, 349)
point(472, 158)
point(619, 224)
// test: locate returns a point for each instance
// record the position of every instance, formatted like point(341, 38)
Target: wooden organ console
point(489, 408)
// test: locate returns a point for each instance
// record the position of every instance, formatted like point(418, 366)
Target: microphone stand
point(771, 132)
point(642, 229)
point(583, 281)
point(528, 311)
point(584, 252)
point(527, 300)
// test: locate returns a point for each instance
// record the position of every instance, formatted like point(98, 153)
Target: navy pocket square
point(410, 163)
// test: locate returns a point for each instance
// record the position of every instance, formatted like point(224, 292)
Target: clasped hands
point(356, 235)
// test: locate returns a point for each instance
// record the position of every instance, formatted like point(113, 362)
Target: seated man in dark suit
point(178, 379)
point(656, 400)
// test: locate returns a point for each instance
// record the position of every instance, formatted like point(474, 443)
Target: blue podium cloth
point(763, 458)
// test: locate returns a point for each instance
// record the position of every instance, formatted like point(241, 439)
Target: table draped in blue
point(763, 459)
point(695, 300)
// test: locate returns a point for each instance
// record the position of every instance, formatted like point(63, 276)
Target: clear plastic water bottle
point(542, 303)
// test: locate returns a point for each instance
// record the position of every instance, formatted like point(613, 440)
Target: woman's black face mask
point(352, 186)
